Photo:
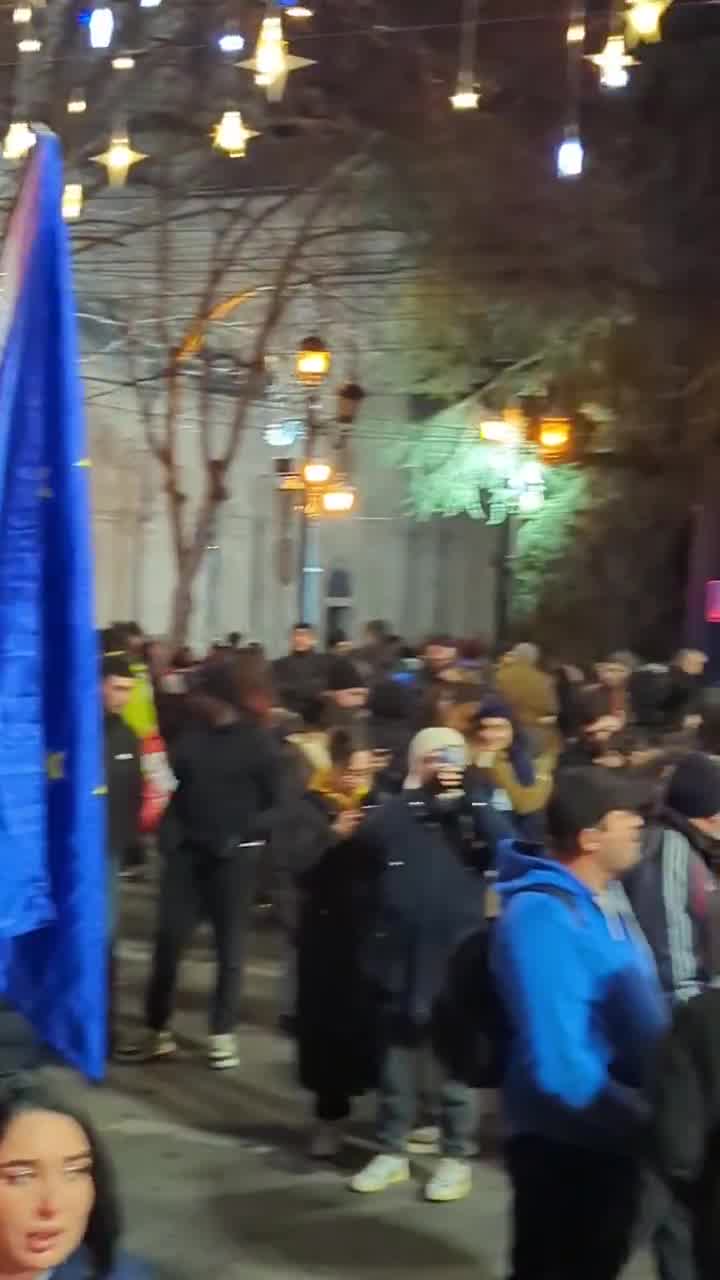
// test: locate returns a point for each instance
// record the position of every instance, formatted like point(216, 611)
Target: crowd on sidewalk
point(489, 872)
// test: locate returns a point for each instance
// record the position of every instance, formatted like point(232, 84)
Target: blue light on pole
point(102, 26)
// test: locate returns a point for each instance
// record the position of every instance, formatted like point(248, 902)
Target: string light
point(232, 136)
point(570, 155)
point(22, 13)
point(272, 63)
point(231, 41)
point(77, 103)
point(101, 26)
point(613, 62)
point(19, 140)
point(643, 19)
point(465, 97)
point(123, 62)
point(72, 201)
point(119, 159)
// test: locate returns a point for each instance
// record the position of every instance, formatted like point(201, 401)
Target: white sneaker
point(326, 1142)
point(222, 1052)
point(425, 1141)
point(153, 1046)
point(382, 1172)
point(452, 1180)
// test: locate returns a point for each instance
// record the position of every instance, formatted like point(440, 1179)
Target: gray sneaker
point(154, 1046)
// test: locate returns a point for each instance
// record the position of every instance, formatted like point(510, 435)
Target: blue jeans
point(398, 1097)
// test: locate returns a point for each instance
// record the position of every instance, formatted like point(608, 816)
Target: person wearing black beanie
point(347, 694)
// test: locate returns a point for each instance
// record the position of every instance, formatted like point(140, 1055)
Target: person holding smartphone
point(431, 897)
point(330, 871)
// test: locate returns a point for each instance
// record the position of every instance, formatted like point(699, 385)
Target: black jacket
point(229, 784)
point(337, 1006)
point(123, 779)
point(431, 897)
point(299, 678)
point(686, 1127)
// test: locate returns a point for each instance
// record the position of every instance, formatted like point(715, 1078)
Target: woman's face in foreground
point(47, 1192)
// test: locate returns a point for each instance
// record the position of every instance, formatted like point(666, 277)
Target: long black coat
point(337, 1006)
point(687, 1121)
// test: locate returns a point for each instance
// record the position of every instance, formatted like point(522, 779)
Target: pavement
point(212, 1166)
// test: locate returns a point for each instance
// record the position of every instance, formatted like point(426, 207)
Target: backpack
point(471, 1030)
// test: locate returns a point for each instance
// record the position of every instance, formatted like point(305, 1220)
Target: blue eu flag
point(53, 944)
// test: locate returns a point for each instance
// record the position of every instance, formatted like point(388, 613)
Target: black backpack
point(471, 1030)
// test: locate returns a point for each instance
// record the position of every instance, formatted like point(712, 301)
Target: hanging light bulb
point(19, 140)
point(643, 19)
point(119, 159)
point(22, 13)
point(272, 63)
point(102, 26)
point(30, 44)
point(231, 41)
point(77, 103)
point(72, 201)
point(575, 33)
point(464, 99)
point(150, 4)
point(570, 155)
point(300, 11)
point(232, 136)
point(613, 62)
point(123, 62)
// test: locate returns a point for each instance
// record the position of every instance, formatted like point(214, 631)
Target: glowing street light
point(312, 363)
point(570, 155)
point(316, 473)
point(338, 501)
point(613, 62)
point(119, 159)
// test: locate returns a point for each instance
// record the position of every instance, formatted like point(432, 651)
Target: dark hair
point(378, 628)
point(105, 1222)
point(303, 626)
point(116, 666)
point(343, 743)
point(592, 703)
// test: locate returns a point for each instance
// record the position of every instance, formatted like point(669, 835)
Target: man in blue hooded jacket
point(578, 984)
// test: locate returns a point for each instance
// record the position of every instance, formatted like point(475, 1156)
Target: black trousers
point(196, 886)
point(574, 1210)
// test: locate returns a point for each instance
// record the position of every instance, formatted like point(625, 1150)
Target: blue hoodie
point(580, 989)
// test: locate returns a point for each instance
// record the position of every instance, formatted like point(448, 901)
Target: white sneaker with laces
point(382, 1172)
point(452, 1180)
point(222, 1052)
point(327, 1141)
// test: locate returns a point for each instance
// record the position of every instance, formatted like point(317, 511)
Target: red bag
point(158, 783)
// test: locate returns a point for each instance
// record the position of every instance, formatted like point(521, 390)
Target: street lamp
point(338, 501)
point(312, 363)
point(312, 366)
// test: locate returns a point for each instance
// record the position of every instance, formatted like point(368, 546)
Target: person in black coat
point(303, 673)
point(333, 869)
point(123, 775)
point(686, 1124)
point(431, 899)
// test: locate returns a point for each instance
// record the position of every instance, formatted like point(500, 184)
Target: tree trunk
point(189, 561)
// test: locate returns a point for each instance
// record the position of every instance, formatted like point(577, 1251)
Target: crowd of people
point(488, 871)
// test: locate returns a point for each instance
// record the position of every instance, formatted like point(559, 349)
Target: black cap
point(694, 789)
point(582, 798)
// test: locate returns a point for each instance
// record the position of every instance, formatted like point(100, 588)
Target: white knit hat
point(425, 744)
